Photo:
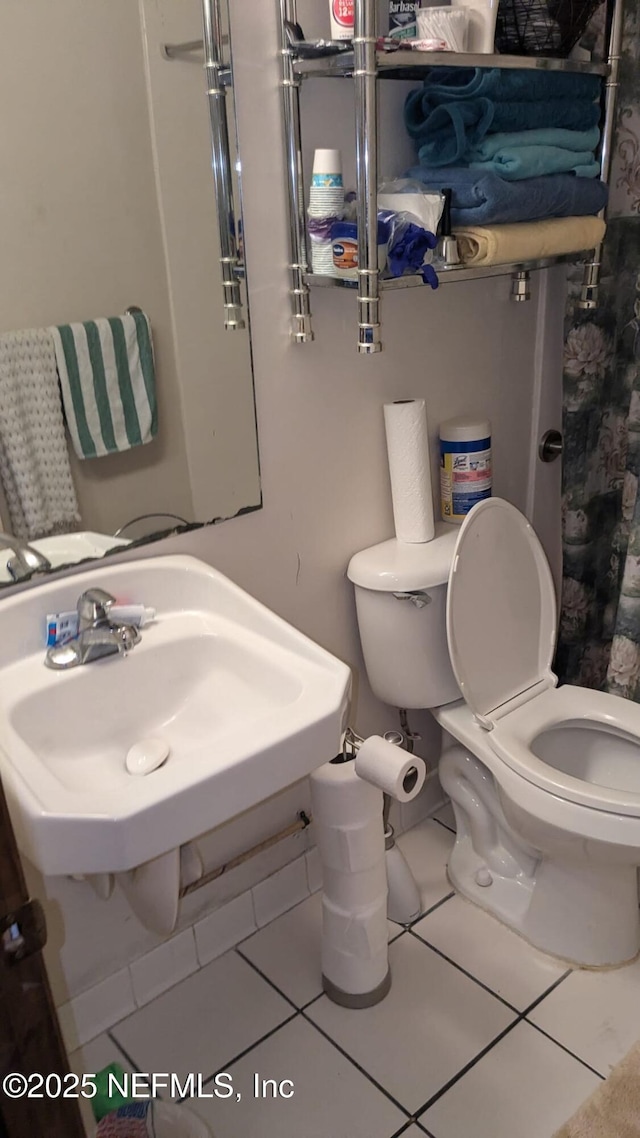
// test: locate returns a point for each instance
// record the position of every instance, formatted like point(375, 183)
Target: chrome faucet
point(25, 558)
point(98, 636)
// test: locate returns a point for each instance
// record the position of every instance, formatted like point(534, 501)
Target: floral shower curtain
point(599, 638)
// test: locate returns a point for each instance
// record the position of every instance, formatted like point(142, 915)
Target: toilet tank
point(401, 593)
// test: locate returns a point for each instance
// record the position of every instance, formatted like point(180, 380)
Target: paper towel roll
point(390, 768)
point(407, 433)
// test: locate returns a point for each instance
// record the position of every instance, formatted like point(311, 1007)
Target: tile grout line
point(308, 1004)
point(520, 1019)
point(241, 1054)
point(469, 975)
point(427, 913)
point(402, 929)
point(547, 991)
point(432, 909)
point(562, 1047)
point(266, 979)
point(357, 1066)
point(404, 1128)
point(456, 1078)
point(122, 1050)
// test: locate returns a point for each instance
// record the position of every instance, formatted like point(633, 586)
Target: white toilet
point(545, 781)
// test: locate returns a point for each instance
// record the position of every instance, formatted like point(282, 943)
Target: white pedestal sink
point(245, 703)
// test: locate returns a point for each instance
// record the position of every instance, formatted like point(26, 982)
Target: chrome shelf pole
point(366, 100)
point(591, 275)
point(301, 330)
point(217, 76)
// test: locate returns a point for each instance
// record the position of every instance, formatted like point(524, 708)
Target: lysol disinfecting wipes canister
point(465, 465)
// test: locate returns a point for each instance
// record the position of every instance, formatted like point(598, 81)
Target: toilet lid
point(501, 608)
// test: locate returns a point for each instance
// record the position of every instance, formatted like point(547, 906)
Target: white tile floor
point(481, 1036)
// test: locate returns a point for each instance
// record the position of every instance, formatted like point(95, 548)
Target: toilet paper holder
point(352, 742)
point(413, 776)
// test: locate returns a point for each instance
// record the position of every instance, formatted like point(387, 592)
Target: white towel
point(34, 460)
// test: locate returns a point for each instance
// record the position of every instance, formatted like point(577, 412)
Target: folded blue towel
point(445, 84)
point(516, 163)
point(486, 199)
point(457, 107)
point(452, 129)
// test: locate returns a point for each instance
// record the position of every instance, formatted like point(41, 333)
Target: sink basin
point(244, 703)
point(66, 549)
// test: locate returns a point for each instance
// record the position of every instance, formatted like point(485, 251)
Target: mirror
point(106, 204)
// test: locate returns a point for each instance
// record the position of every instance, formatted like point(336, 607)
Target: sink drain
point(147, 755)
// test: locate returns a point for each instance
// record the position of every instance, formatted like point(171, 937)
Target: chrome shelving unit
point(365, 65)
point(452, 274)
point(414, 65)
point(301, 329)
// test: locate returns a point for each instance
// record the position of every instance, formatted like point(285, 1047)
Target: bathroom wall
point(465, 348)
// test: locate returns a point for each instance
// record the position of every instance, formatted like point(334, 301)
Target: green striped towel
point(108, 383)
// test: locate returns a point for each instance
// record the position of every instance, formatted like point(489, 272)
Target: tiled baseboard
point(101, 1006)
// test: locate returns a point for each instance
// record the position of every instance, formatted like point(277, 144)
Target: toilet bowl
point(544, 781)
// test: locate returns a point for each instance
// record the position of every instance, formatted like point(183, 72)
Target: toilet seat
point(571, 711)
point(580, 745)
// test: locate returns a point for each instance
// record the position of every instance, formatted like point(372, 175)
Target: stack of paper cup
point(326, 200)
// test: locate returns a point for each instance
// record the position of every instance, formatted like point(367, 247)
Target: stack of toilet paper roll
point(347, 810)
point(410, 469)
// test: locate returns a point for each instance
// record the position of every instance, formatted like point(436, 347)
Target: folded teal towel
point(517, 162)
point(544, 136)
point(108, 383)
point(456, 109)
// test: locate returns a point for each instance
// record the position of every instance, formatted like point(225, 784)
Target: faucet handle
point(93, 608)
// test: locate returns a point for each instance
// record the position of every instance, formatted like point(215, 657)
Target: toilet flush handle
point(418, 598)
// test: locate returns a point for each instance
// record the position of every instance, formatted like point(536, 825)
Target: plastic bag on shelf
point(407, 195)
